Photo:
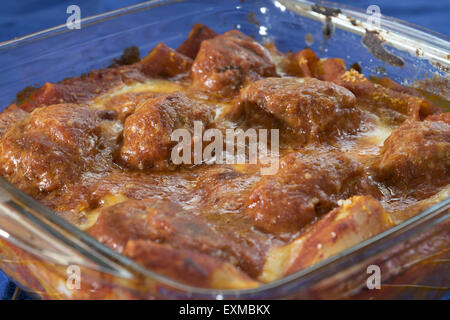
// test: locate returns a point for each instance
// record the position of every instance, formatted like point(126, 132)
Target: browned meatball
point(147, 133)
point(50, 147)
point(33, 163)
point(71, 126)
point(416, 153)
point(132, 219)
point(226, 62)
point(312, 108)
point(306, 187)
point(164, 222)
point(84, 88)
point(188, 266)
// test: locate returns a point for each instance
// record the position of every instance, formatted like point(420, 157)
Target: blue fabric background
point(21, 17)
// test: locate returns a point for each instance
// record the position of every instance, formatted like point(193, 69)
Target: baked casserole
point(357, 156)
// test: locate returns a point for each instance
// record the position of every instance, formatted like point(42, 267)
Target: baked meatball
point(312, 108)
point(83, 89)
point(306, 187)
point(133, 219)
point(164, 222)
point(188, 266)
point(71, 126)
point(416, 153)
point(147, 132)
point(226, 62)
point(49, 148)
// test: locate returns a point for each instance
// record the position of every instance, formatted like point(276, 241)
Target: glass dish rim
point(313, 274)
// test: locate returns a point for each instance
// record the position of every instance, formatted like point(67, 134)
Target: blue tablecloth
point(18, 18)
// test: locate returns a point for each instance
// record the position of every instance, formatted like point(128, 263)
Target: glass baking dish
point(39, 250)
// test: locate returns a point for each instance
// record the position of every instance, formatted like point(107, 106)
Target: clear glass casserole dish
point(38, 249)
